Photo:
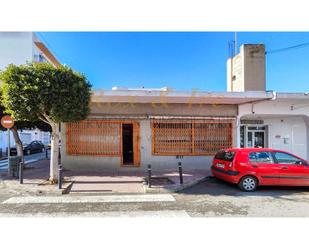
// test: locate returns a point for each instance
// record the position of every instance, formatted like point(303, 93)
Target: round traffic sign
point(7, 122)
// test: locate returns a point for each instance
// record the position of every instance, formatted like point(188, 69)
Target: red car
point(252, 167)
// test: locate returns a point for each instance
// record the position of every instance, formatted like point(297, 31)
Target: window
point(225, 155)
point(284, 158)
point(94, 137)
point(260, 157)
point(191, 138)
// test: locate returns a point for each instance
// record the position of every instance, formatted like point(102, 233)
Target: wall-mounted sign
point(249, 121)
point(7, 122)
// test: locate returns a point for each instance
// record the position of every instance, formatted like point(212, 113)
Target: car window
point(260, 157)
point(285, 158)
point(225, 155)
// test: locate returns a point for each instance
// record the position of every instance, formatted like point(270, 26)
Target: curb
point(175, 189)
point(67, 189)
point(15, 186)
point(191, 184)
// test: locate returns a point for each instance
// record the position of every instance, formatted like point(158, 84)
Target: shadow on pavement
point(215, 187)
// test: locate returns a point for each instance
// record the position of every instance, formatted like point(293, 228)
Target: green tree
point(39, 91)
point(21, 125)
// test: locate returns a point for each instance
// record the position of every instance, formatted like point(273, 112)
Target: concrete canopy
point(194, 97)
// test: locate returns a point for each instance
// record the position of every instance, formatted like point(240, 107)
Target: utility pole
point(235, 43)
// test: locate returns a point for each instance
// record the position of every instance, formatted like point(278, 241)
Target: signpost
point(8, 122)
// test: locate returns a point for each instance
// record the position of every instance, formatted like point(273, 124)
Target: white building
point(18, 48)
point(281, 122)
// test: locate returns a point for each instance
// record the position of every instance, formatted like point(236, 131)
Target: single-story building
point(134, 128)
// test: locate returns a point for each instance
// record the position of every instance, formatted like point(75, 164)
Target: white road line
point(5, 164)
point(90, 199)
point(110, 214)
point(31, 161)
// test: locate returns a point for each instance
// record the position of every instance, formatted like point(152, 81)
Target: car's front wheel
point(248, 183)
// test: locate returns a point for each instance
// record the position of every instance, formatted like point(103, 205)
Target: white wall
point(15, 48)
point(289, 134)
point(287, 118)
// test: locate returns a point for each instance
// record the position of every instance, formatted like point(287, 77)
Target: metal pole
point(60, 177)
point(149, 175)
point(180, 173)
point(21, 173)
point(9, 148)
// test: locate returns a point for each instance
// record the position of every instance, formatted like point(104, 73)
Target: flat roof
point(193, 97)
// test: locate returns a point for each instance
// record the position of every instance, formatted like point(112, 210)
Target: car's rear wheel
point(248, 183)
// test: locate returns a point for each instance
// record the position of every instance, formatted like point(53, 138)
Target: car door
point(35, 146)
point(262, 165)
point(294, 170)
point(31, 147)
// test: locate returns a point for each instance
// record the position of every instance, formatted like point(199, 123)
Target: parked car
point(34, 147)
point(253, 167)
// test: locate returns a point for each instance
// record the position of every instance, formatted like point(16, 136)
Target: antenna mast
point(235, 43)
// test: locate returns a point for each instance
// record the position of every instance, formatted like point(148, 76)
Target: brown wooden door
point(136, 144)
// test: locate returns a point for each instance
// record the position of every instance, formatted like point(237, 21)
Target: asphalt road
point(211, 198)
point(28, 159)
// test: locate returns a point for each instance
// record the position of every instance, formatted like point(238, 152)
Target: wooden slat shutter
point(190, 137)
point(94, 137)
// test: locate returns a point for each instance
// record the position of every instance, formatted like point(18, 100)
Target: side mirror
point(302, 163)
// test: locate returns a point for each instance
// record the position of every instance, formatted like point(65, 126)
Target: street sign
point(7, 122)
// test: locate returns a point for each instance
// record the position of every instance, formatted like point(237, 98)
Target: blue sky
point(181, 60)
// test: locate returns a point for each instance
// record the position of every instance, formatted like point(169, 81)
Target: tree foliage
point(39, 91)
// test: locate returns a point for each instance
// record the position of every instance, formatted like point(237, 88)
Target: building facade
point(128, 129)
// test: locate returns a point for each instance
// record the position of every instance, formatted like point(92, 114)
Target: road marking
point(110, 214)
point(31, 161)
point(91, 199)
point(5, 163)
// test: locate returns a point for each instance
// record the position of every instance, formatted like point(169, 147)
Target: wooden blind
point(190, 137)
point(94, 137)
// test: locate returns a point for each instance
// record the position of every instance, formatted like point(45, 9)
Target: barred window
point(191, 138)
point(94, 137)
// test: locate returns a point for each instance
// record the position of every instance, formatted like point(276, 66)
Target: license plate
point(220, 165)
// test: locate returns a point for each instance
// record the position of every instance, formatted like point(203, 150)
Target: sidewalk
point(88, 182)
point(132, 182)
point(35, 179)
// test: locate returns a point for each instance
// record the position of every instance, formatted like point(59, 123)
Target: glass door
point(255, 139)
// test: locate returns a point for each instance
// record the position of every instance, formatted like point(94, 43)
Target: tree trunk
point(54, 153)
point(18, 142)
